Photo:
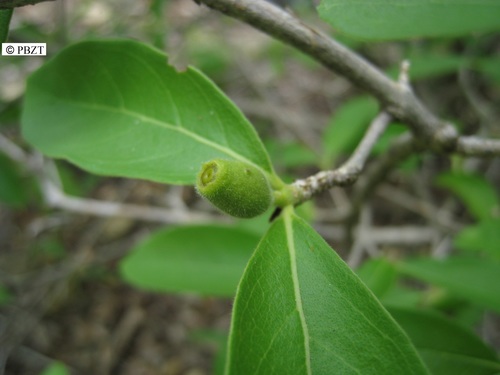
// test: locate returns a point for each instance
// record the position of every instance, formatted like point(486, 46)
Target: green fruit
point(234, 187)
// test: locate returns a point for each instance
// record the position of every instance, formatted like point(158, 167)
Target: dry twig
point(400, 103)
point(56, 198)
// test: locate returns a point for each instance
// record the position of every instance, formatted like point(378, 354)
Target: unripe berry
point(235, 187)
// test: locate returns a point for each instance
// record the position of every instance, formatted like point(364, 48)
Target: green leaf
point(74, 181)
point(204, 259)
point(290, 154)
point(5, 295)
point(478, 195)
point(56, 368)
point(402, 296)
point(446, 347)
point(300, 309)
point(117, 108)
point(378, 274)
point(484, 236)
point(10, 113)
point(383, 20)
point(393, 131)
point(475, 279)
point(12, 185)
point(347, 127)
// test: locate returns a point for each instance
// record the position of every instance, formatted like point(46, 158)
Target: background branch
point(55, 197)
point(476, 146)
point(401, 148)
point(397, 99)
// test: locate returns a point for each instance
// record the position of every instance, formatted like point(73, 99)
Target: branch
point(476, 146)
point(349, 172)
point(397, 99)
point(54, 197)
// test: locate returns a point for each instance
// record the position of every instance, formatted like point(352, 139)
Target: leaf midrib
point(288, 217)
point(172, 127)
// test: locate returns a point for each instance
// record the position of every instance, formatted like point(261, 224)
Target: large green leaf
point(446, 347)
point(118, 108)
point(300, 309)
point(405, 19)
point(203, 259)
point(475, 191)
point(475, 279)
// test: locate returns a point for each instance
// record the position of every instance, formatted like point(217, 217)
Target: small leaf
point(378, 274)
point(402, 296)
point(383, 20)
point(484, 236)
point(347, 127)
point(56, 368)
point(204, 259)
point(5, 295)
point(73, 181)
point(446, 347)
point(491, 68)
point(392, 132)
point(478, 195)
point(301, 310)
point(10, 113)
point(117, 108)
point(290, 154)
point(475, 279)
point(12, 184)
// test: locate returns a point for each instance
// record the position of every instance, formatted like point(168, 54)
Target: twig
point(407, 235)
point(348, 173)
point(401, 148)
point(476, 146)
point(361, 244)
point(478, 104)
point(401, 103)
point(404, 75)
point(128, 325)
point(56, 198)
point(419, 206)
point(13, 151)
